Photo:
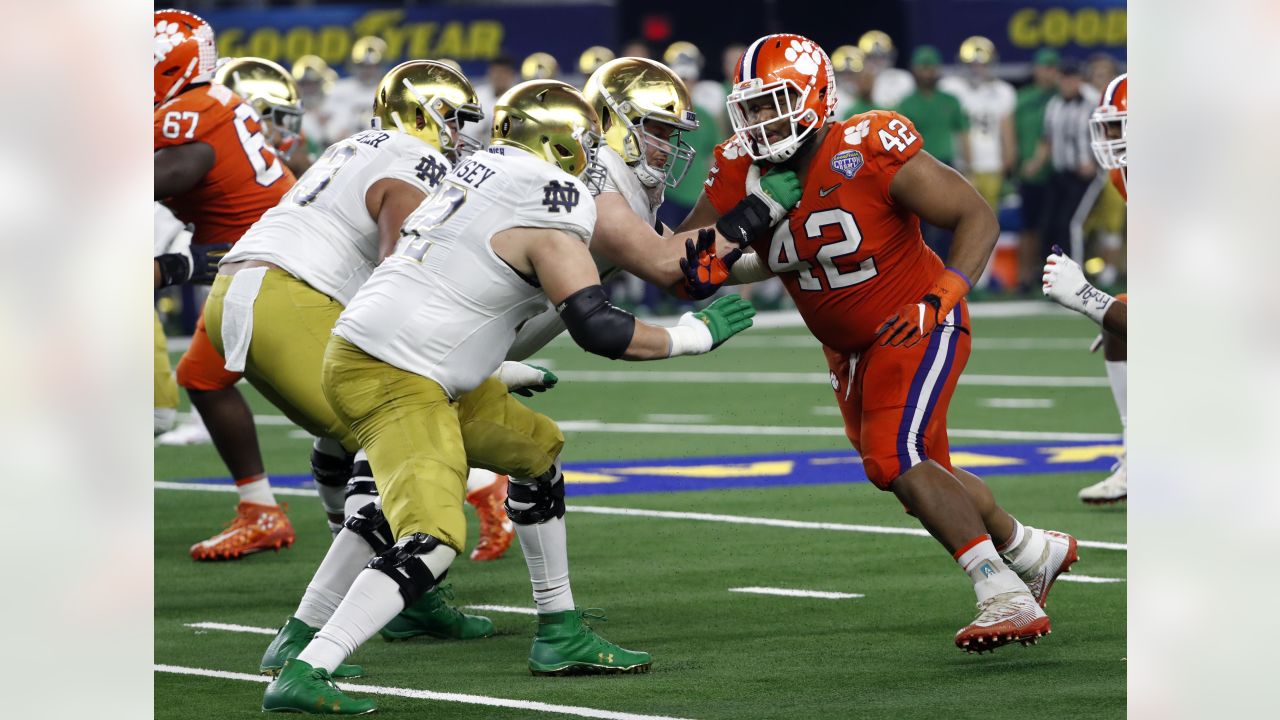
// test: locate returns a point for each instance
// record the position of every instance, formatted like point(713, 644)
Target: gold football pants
point(420, 443)
point(291, 326)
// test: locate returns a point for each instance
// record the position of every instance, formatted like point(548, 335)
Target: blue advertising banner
point(470, 35)
point(1075, 28)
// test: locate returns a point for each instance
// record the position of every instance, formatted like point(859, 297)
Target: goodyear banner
point(1075, 28)
point(471, 35)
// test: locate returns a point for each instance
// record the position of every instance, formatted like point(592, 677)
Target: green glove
point(783, 187)
point(726, 317)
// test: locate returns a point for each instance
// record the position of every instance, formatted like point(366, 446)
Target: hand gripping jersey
point(445, 306)
point(247, 177)
point(644, 201)
point(321, 232)
point(848, 254)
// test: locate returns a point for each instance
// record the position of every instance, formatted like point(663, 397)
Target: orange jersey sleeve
point(726, 182)
point(247, 178)
point(1120, 178)
point(849, 255)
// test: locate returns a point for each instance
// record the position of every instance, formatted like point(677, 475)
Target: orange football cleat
point(255, 528)
point(1003, 619)
point(496, 529)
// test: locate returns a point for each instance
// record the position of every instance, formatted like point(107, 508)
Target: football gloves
point(705, 330)
point(769, 199)
point(704, 270)
point(1065, 284)
point(185, 262)
point(910, 323)
point(525, 380)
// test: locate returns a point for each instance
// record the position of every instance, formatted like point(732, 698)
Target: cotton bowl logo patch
point(847, 163)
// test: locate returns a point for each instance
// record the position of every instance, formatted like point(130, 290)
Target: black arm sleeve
point(746, 221)
point(595, 324)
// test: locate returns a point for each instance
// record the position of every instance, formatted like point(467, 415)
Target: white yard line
point(705, 377)
point(229, 627)
point(504, 609)
point(678, 417)
point(762, 341)
point(1017, 403)
point(1068, 577)
point(670, 515)
point(785, 592)
point(360, 688)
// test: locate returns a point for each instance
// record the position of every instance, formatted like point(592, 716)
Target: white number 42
point(901, 140)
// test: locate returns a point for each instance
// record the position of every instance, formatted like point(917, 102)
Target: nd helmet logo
point(847, 163)
point(556, 196)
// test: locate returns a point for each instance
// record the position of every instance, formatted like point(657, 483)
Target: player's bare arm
point(567, 274)
point(179, 168)
point(942, 197)
point(702, 215)
point(389, 202)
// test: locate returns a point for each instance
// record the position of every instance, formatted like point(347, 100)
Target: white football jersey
point(986, 104)
point(321, 232)
point(892, 85)
point(445, 306)
point(644, 201)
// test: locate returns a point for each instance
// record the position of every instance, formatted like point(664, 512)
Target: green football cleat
point(566, 645)
point(301, 688)
point(435, 615)
point(290, 641)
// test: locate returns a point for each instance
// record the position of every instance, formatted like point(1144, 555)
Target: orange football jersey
point(247, 178)
point(1120, 178)
point(848, 254)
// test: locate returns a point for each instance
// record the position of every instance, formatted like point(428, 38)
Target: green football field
point(753, 428)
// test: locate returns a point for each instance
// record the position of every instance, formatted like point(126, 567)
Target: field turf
point(665, 582)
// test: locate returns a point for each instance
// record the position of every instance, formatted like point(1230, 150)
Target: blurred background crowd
point(999, 89)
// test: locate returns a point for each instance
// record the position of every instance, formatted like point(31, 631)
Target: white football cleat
point(1006, 618)
point(1060, 557)
point(1112, 490)
point(191, 432)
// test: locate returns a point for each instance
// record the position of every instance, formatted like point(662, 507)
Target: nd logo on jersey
point(847, 163)
point(556, 196)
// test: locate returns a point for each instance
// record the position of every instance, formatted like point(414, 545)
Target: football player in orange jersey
point(215, 169)
point(1065, 284)
point(890, 315)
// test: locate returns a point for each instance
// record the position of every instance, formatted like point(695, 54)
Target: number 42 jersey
point(848, 254)
point(247, 176)
point(321, 232)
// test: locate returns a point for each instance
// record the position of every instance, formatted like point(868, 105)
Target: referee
point(1064, 145)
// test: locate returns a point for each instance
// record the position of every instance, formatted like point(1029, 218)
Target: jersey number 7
point(784, 258)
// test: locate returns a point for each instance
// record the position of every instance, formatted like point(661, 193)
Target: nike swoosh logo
point(823, 192)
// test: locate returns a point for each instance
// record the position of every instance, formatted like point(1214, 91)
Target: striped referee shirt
point(1066, 128)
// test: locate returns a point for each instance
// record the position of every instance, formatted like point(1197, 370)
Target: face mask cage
point(788, 102)
point(677, 154)
point(593, 173)
point(1110, 151)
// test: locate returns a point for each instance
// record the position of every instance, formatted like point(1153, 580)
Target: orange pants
point(894, 399)
point(201, 367)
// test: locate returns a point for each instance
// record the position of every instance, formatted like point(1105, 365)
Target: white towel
point(237, 316)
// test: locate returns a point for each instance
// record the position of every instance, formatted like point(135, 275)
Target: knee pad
point(401, 562)
point(881, 470)
point(330, 469)
point(369, 523)
point(546, 496)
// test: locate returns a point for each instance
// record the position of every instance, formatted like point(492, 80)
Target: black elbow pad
point(595, 324)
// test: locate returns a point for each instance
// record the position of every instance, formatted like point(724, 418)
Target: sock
point(372, 601)
point(256, 489)
point(1026, 551)
point(546, 552)
point(1118, 374)
point(478, 479)
point(990, 576)
point(347, 556)
point(360, 488)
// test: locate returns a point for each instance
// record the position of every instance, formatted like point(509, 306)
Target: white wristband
point(690, 337)
point(1093, 302)
point(749, 269)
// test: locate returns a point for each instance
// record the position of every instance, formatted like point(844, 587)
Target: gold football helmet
point(368, 50)
point(551, 120)
point(593, 57)
point(643, 105)
point(848, 59)
point(269, 88)
point(876, 42)
point(430, 101)
point(977, 50)
point(313, 67)
point(539, 66)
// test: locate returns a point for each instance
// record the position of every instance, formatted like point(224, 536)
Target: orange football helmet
point(1109, 125)
point(795, 74)
point(184, 52)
